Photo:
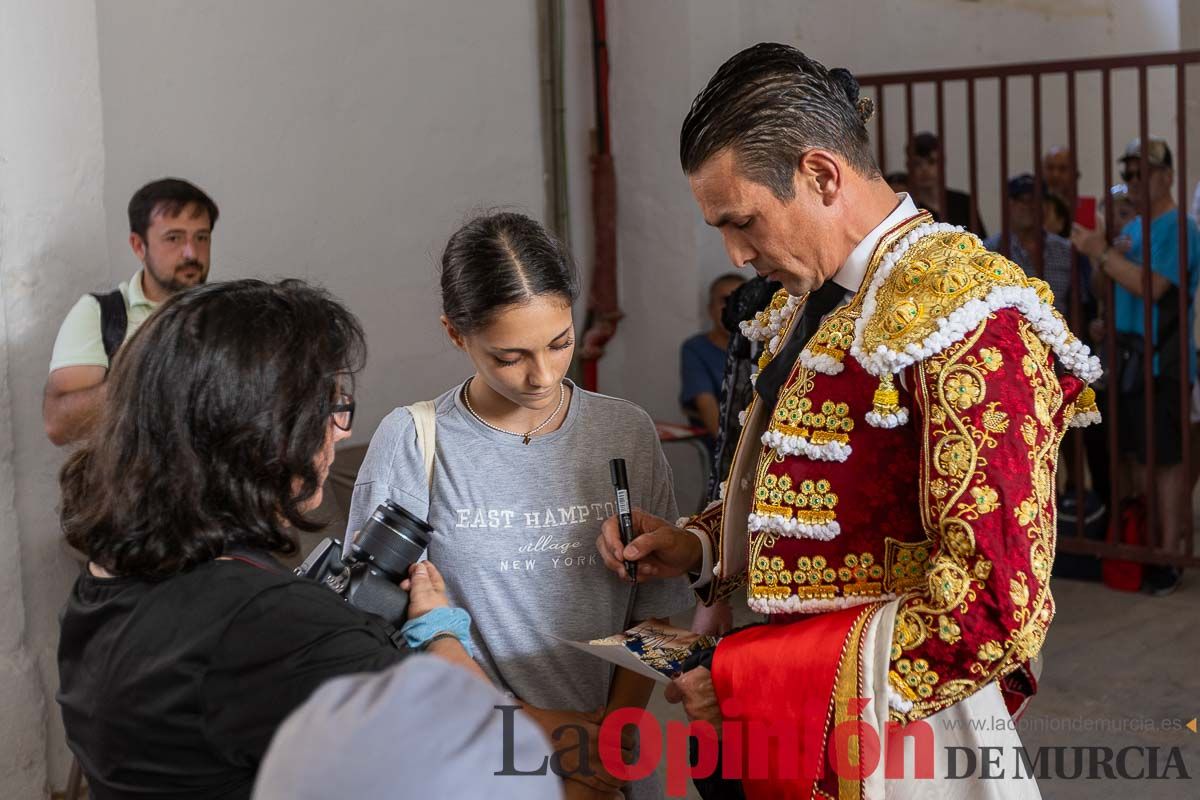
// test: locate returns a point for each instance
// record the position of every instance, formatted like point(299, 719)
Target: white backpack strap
point(424, 415)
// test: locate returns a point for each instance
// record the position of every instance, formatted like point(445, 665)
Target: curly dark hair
point(216, 411)
point(770, 103)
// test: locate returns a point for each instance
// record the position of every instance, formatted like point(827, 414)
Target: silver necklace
point(525, 437)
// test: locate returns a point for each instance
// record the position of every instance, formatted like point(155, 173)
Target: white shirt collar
point(851, 274)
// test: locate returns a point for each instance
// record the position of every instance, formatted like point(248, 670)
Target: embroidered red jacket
point(911, 457)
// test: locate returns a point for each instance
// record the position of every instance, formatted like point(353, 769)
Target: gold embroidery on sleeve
point(957, 495)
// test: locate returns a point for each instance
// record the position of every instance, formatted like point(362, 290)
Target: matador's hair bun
point(849, 85)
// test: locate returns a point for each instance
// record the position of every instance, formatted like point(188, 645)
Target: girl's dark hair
point(215, 412)
point(499, 260)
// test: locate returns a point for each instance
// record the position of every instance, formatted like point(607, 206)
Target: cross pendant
point(526, 439)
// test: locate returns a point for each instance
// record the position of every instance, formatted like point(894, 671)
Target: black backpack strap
point(113, 321)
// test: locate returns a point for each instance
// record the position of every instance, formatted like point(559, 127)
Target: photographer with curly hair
point(184, 643)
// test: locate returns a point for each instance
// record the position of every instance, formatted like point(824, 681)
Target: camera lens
point(392, 540)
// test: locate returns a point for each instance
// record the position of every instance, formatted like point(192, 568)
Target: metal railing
point(1152, 550)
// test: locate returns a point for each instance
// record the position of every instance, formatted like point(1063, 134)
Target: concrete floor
point(1121, 670)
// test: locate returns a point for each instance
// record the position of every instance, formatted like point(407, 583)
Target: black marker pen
point(620, 481)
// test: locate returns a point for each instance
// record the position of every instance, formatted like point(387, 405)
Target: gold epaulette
point(935, 286)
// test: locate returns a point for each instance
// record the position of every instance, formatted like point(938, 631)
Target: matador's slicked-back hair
point(770, 103)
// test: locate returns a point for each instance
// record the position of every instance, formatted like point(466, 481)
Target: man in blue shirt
point(702, 361)
point(1123, 265)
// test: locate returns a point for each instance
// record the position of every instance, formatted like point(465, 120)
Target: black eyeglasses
point(343, 412)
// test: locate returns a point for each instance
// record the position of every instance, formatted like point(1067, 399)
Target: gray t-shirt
point(515, 530)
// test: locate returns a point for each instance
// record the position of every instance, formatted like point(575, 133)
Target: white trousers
point(958, 774)
point(972, 740)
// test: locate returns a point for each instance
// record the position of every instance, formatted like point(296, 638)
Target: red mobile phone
point(1085, 212)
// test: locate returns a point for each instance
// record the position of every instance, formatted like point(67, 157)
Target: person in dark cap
point(1027, 241)
point(1122, 263)
point(925, 185)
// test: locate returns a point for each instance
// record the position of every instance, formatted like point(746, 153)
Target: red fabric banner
point(775, 686)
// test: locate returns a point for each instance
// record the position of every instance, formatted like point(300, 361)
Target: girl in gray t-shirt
point(520, 483)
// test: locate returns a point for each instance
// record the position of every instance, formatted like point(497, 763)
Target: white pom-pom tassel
point(894, 420)
point(895, 701)
point(792, 445)
point(793, 529)
point(822, 363)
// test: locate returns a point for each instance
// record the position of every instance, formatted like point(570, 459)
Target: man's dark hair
point(216, 411)
point(923, 145)
point(770, 103)
point(728, 277)
point(500, 260)
point(167, 196)
point(1063, 211)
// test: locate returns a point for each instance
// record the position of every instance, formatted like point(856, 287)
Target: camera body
point(369, 576)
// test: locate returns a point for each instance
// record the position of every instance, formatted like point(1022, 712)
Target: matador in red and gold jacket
point(897, 501)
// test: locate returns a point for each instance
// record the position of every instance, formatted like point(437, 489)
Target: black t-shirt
point(174, 689)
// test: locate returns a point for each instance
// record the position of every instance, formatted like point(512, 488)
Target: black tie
point(819, 303)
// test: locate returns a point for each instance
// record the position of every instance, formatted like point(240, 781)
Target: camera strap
point(263, 561)
point(424, 414)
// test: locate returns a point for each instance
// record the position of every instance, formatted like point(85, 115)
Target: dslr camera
point(369, 576)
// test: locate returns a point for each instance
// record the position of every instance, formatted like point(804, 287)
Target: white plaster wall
point(343, 142)
point(580, 121)
point(1189, 39)
point(663, 53)
point(657, 245)
point(51, 248)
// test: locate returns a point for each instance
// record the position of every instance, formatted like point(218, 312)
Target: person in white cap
point(1122, 263)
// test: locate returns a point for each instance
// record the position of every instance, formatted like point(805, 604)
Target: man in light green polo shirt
point(170, 232)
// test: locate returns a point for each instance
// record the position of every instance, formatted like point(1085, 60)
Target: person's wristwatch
point(436, 637)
